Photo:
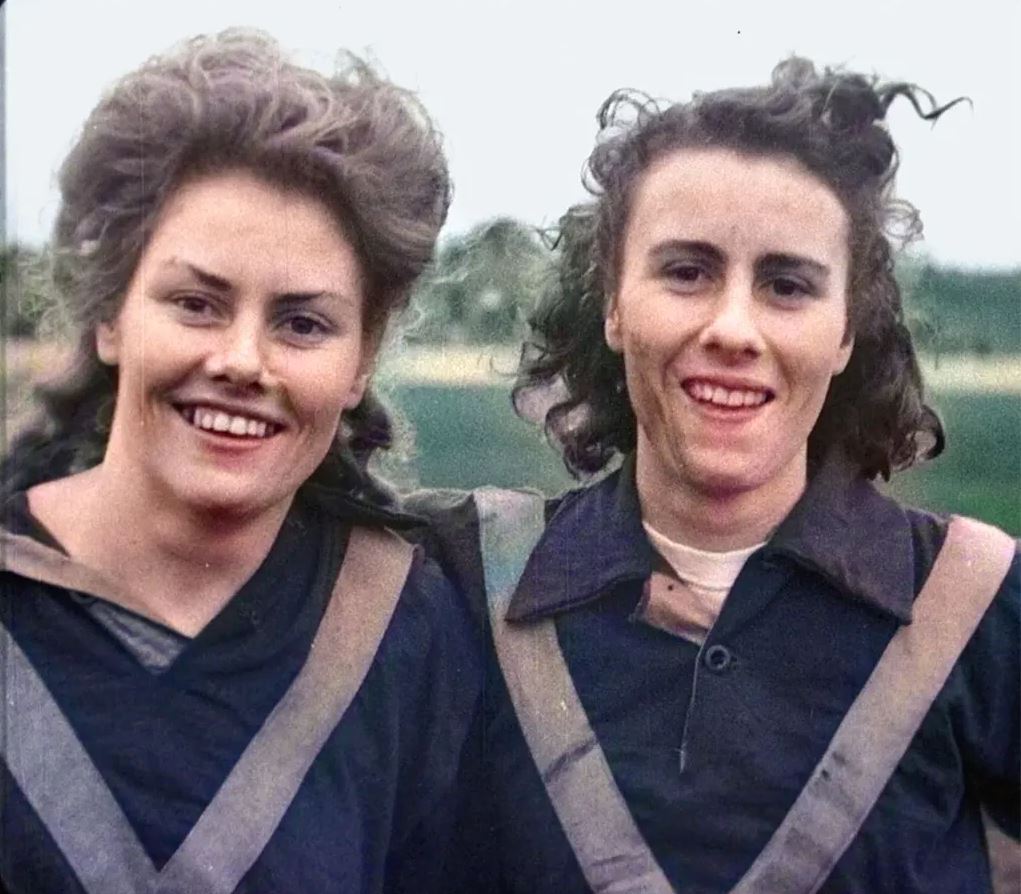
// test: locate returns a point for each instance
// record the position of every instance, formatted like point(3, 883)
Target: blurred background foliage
point(24, 279)
point(472, 306)
point(481, 286)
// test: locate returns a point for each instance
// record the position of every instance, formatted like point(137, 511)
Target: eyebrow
point(211, 280)
point(780, 262)
point(706, 251)
point(220, 284)
point(772, 262)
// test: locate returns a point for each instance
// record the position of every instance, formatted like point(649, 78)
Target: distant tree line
point(484, 283)
point(963, 311)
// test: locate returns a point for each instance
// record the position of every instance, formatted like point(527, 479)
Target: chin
point(725, 479)
point(723, 484)
point(228, 500)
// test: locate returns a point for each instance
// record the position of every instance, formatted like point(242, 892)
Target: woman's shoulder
point(443, 511)
point(449, 535)
point(452, 513)
point(984, 567)
point(930, 529)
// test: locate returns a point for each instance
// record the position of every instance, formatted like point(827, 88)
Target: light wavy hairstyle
point(833, 123)
point(355, 142)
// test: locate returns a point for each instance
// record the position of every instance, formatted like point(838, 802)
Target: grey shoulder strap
point(601, 830)
point(69, 796)
point(34, 560)
point(878, 728)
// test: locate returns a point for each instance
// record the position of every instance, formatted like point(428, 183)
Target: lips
point(224, 422)
point(729, 396)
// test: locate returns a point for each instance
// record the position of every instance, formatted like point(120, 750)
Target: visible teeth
point(219, 421)
point(725, 397)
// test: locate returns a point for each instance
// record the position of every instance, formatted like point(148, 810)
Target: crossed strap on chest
point(845, 784)
point(70, 797)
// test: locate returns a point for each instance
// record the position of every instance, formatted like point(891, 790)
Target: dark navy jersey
point(164, 719)
point(710, 745)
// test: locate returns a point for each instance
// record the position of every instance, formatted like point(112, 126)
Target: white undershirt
point(707, 576)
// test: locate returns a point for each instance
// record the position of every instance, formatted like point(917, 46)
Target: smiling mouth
point(711, 394)
point(223, 423)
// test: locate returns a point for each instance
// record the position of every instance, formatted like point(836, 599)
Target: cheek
point(640, 355)
point(326, 395)
point(647, 386)
point(816, 353)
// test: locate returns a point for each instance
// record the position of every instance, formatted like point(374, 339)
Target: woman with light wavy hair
point(223, 669)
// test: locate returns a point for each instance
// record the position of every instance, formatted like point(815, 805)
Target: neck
point(210, 538)
point(710, 516)
point(182, 564)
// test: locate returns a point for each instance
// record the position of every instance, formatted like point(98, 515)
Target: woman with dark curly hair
point(715, 670)
point(223, 671)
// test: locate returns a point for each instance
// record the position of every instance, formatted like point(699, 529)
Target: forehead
point(739, 202)
point(241, 225)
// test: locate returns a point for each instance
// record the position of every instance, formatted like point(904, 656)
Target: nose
point(732, 327)
point(239, 353)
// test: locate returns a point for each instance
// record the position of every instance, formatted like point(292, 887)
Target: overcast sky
point(514, 86)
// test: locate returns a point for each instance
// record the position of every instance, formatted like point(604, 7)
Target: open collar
point(593, 540)
point(842, 528)
point(856, 537)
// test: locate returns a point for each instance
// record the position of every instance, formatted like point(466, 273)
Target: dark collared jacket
point(373, 811)
point(710, 746)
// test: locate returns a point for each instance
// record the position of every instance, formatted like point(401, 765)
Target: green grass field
point(468, 436)
point(979, 474)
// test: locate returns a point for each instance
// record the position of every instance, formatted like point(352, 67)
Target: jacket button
point(718, 658)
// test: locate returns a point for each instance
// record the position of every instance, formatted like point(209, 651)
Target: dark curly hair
point(833, 124)
point(355, 142)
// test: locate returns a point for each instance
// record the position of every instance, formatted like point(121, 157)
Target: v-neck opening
point(158, 649)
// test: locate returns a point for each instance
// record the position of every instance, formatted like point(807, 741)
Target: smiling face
point(730, 312)
point(238, 345)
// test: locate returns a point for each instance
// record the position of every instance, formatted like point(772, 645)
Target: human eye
point(685, 276)
point(305, 328)
point(195, 308)
point(790, 288)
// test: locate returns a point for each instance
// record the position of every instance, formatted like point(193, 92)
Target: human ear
point(366, 367)
point(358, 388)
point(108, 343)
point(843, 355)
point(611, 329)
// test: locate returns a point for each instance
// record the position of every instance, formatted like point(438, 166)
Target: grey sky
point(514, 86)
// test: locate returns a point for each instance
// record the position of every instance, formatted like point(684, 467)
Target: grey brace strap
point(879, 726)
point(69, 796)
point(602, 833)
point(844, 786)
point(33, 560)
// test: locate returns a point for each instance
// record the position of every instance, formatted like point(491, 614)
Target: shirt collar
point(841, 528)
point(856, 537)
point(593, 540)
